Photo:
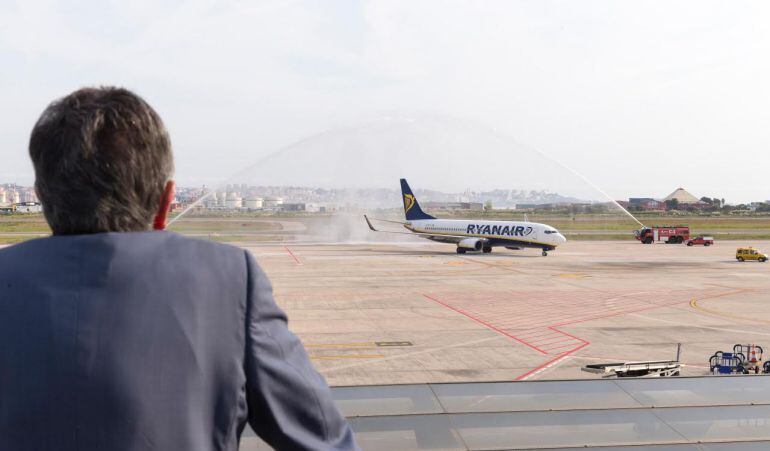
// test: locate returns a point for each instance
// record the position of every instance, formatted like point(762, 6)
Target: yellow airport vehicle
point(749, 254)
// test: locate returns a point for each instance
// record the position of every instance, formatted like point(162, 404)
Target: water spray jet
point(444, 122)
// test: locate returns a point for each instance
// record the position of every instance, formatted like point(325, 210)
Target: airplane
point(473, 235)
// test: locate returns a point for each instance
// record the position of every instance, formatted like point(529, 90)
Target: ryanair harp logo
point(408, 202)
point(527, 231)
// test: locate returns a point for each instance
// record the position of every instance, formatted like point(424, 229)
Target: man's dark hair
point(102, 159)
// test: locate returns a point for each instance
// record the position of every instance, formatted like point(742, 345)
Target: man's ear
point(165, 204)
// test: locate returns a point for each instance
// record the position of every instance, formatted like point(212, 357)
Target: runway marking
point(341, 345)
point(296, 260)
point(551, 341)
point(485, 324)
point(572, 276)
point(412, 354)
point(560, 347)
point(535, 318)
point(343, 357)
point(549, 364)
point(533, 333)
point(694, 304)
point(393, 344)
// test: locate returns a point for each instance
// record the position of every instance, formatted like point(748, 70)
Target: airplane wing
point(381, 220)
point(440, 237)
point(373, 229)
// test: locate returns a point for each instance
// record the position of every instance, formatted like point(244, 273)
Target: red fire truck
point(667, 234)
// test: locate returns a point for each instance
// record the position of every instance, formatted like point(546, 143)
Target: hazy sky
point(641, 97)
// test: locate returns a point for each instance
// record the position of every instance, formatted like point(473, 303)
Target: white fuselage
point(491, 233)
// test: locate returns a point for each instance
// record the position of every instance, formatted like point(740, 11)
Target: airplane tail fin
point(412, 208)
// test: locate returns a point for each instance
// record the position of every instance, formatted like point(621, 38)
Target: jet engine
point(471, 243)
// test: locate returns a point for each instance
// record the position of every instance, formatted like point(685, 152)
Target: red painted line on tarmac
point(567, 334)
point(485, 324)
point(624, 312)
point(544, 334)
point(539, 325)
point(560, 347)
point(296, 260)
point(551, 362)
point(544, 343)
point(550, 335)
point(538, 329)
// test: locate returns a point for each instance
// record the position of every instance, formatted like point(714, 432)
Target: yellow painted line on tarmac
point(348, 356)
point(571, 275)
point(694, 304)
point(341, 345)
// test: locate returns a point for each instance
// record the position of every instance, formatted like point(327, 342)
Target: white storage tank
point(221, 198)
point(254, 203)
point(233, 201)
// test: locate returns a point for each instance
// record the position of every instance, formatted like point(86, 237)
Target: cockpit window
point(550, 231)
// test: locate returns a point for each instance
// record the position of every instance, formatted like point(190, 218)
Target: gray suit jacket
point(151, 341)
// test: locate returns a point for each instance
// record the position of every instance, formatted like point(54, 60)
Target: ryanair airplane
point(473, 235)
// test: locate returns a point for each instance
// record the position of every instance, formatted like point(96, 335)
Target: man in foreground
point(114, 336)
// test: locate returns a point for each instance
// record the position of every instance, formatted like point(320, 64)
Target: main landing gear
point(460, 250)
point(545, 253)
point(487, 249)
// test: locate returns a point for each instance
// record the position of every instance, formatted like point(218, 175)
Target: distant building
point(645, 203)
point(293, 207)
point(315, 208)
point(29, 207)
point(684, 201)
point(550, 206)
point(272, 202)
point(683, 197)
point(28, 195)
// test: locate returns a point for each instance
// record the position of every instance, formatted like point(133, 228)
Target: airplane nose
point(561, 238)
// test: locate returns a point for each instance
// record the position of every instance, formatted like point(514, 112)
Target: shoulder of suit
point(178, 239)
point(180, 243)
point(24, 246)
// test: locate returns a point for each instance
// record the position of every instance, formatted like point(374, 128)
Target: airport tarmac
point(385, 313)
